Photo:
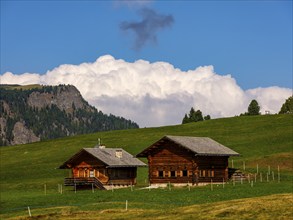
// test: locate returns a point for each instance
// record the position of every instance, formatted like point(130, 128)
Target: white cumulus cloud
point(155, 94)
point(23, 79)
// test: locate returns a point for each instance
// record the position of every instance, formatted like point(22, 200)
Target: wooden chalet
point(181, 160)
point(101, 167)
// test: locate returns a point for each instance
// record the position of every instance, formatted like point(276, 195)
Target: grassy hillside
point(266, 207)
point(263, 140)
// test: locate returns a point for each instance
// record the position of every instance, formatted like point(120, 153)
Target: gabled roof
point(108, 156)
point(198, 145)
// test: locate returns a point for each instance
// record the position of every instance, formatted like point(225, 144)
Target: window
point(92, 173)
point(210, 173)
point(206, 173)
point(173, 173)
point(202, 173)
point(184, 173)
point(161, 174)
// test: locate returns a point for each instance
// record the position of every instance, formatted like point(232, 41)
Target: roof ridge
point(187, 136)
point(197, 145)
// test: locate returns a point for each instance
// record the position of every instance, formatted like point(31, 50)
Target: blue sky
point(152, 61)
point(251, 40)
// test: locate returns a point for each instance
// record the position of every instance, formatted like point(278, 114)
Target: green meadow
point(30, 176)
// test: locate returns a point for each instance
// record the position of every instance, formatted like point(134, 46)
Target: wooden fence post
point(278, 174)
point(29, 211)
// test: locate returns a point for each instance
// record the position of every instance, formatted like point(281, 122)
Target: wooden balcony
point(84, 181)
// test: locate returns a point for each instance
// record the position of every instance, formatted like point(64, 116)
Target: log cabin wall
point(171, 163)
point(176, 164)
point(213, 168)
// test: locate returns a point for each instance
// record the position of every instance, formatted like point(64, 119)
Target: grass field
point(261, 140)
point(265, 207)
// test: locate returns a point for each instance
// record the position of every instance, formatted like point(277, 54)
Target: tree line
point(194, 116)
point(253, 109)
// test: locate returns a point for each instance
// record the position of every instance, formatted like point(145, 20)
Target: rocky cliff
point(34, 113)
point(64, 97)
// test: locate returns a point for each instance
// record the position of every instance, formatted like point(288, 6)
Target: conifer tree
point(287, 107)
point(185, 119)
point(253, 108)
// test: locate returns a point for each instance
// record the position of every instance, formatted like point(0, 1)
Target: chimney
point(99, 145)
point(118, 153)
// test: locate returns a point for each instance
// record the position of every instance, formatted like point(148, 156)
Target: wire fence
point(251, 180)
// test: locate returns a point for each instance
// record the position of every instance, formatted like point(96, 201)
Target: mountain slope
point(29, 114)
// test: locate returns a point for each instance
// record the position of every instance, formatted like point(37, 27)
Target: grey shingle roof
point(203, 145)
point(198, 145)
point(107, 155)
